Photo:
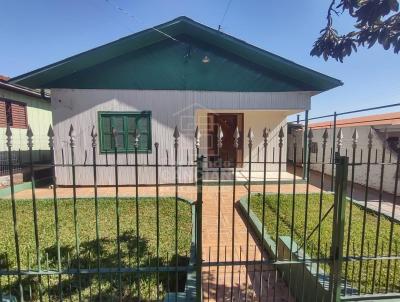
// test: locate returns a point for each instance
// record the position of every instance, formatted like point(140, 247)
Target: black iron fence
point(281, 237)
point(20, 159)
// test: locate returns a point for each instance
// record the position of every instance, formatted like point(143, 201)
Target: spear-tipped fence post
point(236, 138)
point(250, 136)
point(333, 150)
point(14, 209)
point(176, 136)
point(93, 135)
point(307, 149)
point(117, 210)
point(355, 138)
point(220, 136)
point(136, 136)
point(370, 138)
point(325, 136)
point(50, 134)
point(197, 137)
point(379, 212)
point(76, 222)
point(29, 135)
point(156, 146)
point(310, 140)
point(339, 140)
point(281, 135)
point(349, 230)
point(265, 136)
point(199, 227)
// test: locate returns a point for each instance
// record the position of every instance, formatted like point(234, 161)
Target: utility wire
point(224, 15)
point(132, 17)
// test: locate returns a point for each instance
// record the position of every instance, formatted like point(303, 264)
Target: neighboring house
point(180, 73)
point(19, 107)
point(385, 134)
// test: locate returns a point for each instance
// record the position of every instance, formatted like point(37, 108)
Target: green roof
point(170, 56)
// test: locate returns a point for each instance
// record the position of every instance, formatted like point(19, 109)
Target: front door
point(228, 123)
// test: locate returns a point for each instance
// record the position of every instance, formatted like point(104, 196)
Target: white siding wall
point(296, 136)
point(169, 108)
point(360, 170)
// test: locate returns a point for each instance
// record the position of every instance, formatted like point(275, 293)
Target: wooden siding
point(3, 115)
point(169, 108)
point(18, 115)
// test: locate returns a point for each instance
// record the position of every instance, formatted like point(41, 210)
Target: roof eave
point(24, 90)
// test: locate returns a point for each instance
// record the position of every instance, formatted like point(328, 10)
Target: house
point(180, 73)
point(19, 107)
point(385, 131)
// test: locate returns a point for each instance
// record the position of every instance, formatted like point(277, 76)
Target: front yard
point(285, 225)
point(132, 248)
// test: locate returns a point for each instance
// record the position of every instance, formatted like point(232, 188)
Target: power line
point(224, 15)
point(132, 17)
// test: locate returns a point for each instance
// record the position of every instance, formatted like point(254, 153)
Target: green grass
point(145, 251)
point(285, 225)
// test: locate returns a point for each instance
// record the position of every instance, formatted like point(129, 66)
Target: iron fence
point(278, 238)
point(20, 160)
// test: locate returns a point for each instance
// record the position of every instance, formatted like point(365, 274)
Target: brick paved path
point(214, 282)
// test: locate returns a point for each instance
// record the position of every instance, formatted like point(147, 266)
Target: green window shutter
point(143, 126)
point(106, 133)
point(118, 125)
point(130, 135)
point(125, 124)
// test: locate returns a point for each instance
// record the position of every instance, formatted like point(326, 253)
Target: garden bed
point(134, 251)
point(353, 267)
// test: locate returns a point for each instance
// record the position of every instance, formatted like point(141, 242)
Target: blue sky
point(36, 33)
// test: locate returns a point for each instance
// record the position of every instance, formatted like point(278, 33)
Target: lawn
point(132, 248)
point(353, 267)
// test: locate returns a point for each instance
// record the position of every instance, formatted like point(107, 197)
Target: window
point(125, 124)
point(13, 114)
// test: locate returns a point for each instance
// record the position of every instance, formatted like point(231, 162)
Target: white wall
point(169, 108)
point(360, 171)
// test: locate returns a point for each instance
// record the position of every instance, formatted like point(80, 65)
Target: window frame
point(125, 113)
point(9, 118)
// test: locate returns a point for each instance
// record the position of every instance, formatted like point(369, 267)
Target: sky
point(40, 32)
